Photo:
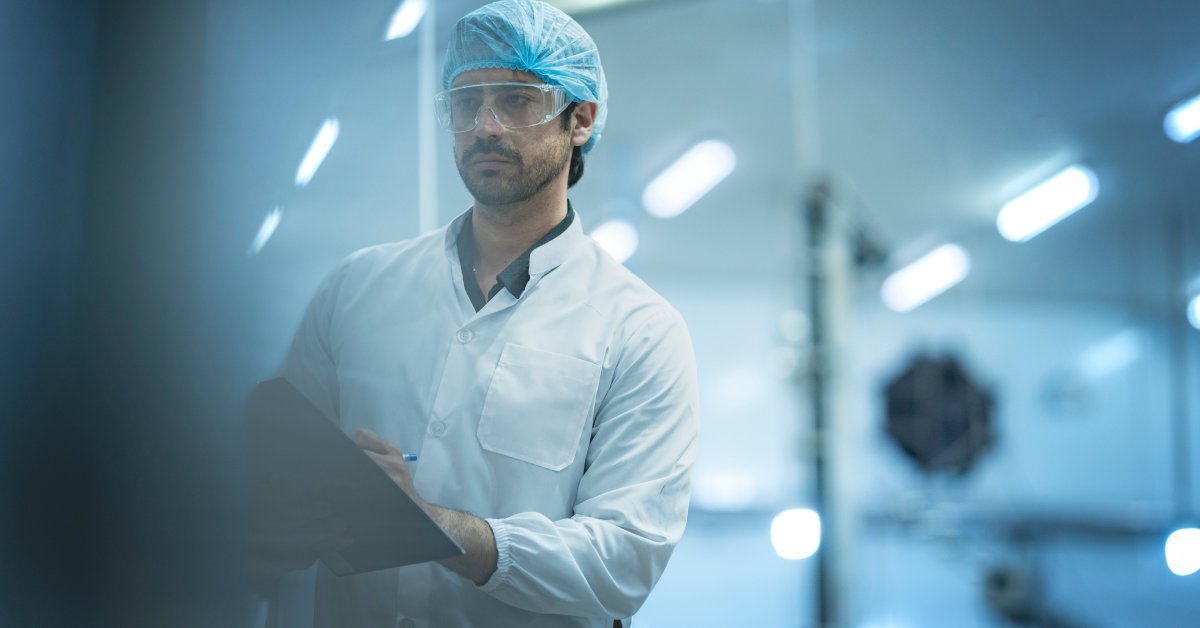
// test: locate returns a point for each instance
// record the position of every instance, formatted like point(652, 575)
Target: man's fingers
point(389, 462)
point(373, 442)
point(381, 460)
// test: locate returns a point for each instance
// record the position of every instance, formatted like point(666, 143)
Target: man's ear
point(583, 122)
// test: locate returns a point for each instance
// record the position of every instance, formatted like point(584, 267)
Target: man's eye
point(466, 104)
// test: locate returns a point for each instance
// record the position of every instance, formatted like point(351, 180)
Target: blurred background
point(940, 262)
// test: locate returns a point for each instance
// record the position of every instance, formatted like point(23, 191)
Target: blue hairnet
point(533, 37)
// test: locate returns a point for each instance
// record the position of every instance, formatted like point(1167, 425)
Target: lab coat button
point(465, 335)
point(437, 428)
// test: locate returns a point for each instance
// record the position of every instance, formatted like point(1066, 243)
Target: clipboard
point(295, 454)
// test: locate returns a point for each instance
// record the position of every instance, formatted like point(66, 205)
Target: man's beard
point(496, 188)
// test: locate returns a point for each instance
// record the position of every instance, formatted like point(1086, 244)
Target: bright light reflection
point(1183, 551)
point(317, 152)
point(796, 533)
point(1045, 205)
point(618, 237)
point(1110, 355)
point(688, 179)
point(269, 224)
point(1193, 311)
point(1182, 123)
point(924, 279)
point(405, 19)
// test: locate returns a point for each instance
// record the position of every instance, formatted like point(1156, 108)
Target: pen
point(410, 457)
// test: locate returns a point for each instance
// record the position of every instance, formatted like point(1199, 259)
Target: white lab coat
point(566, 418)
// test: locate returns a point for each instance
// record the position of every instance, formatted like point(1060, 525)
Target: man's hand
point(390, 458)
point(473, 534)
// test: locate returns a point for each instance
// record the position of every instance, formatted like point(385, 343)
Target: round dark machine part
point(938, 416)
point(1013, 593)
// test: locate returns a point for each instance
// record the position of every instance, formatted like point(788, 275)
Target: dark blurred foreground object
point(118, 423)
point(938, 416)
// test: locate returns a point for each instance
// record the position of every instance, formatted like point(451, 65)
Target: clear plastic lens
point(514, 105)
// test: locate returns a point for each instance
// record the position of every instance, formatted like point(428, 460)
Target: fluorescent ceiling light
point(796, 533)
point(920, 281)
point(269, 224)
point(618, 237)
point(1182, 123)
point(1193, 311)
point(576, 7)
point(317, 152)
point(405, 19)
point(1183, 551)
point(689, 178)
point(1042, 207)
point(1110, 355)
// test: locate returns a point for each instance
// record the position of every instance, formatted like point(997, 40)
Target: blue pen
point(410, 457)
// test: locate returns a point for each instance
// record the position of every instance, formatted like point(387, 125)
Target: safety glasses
point(513, 105)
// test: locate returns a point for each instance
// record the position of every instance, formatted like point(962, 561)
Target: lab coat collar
point(543, 259)
point(552, 254)
point(452, 231)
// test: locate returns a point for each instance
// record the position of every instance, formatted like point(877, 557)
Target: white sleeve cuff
point(503, 557)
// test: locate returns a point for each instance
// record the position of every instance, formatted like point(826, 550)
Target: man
point(550, 394)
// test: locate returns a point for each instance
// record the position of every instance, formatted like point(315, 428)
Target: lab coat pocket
point(537, 405)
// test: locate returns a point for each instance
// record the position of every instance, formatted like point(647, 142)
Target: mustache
point(490, 147)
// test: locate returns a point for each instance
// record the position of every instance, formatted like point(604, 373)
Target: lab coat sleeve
point(633, 496)
point(309, 365)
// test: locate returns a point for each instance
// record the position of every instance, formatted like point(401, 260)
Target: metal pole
point(806, 140)
point(427, 213)
point(1178, 350)
point(816, 212)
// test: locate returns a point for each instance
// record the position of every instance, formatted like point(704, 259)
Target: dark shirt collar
point(515, 276)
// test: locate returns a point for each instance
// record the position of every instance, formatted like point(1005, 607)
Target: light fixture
point(796, 533)
point(1183, 551)
point(1043, 206)
point(1193, 311)
point(578, 7)
point(924, 279)
point(317, 152)
point(406, 18)
point(1182, 123)
point(266, 230)
point(688, 179)
point(1110, 355)
point(618, 237)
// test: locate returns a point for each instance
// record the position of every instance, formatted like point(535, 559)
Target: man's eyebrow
point(516, 77)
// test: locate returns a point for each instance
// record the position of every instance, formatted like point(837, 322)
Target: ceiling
point(929, 116)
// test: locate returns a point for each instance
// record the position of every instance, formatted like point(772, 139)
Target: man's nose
point(488, 123)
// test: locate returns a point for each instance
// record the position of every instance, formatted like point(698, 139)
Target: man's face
point(501, 166)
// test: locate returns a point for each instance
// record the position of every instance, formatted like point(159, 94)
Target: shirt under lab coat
point(567, 418)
